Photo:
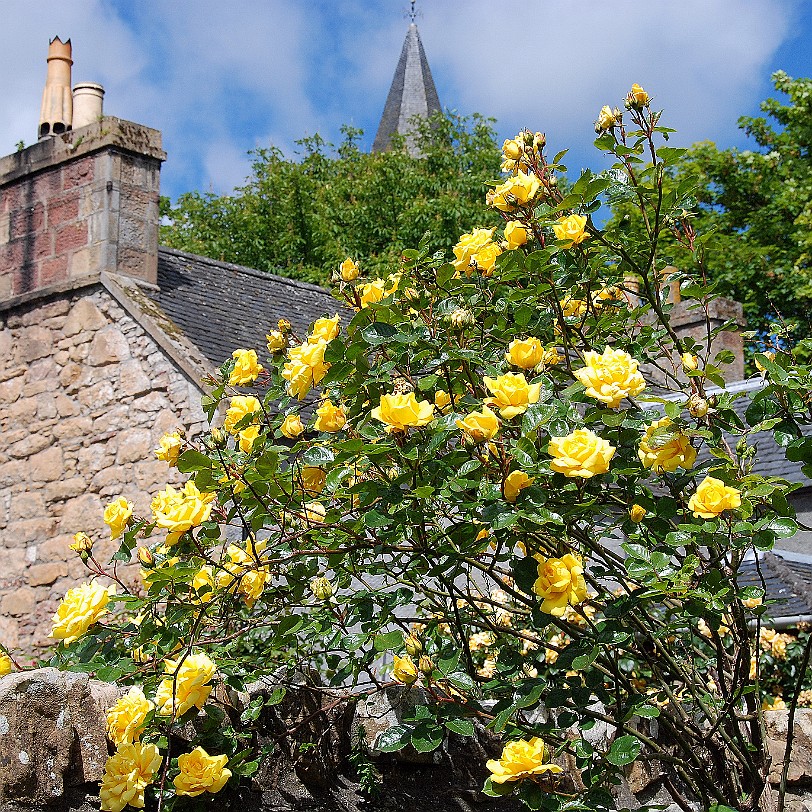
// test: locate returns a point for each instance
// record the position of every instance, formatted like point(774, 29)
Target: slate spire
point(412, 94)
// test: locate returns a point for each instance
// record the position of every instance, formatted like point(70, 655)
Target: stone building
point(104, 341)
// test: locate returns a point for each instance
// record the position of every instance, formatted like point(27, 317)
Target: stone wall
point(53, 751)
point(85, 394)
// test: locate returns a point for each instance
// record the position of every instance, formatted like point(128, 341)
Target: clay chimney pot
point(56, 114)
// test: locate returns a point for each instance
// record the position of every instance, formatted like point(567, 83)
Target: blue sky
point(219, 79)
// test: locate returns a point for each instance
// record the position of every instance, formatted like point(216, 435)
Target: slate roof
point(787, 580)
point(412, 94)
point(220, 306)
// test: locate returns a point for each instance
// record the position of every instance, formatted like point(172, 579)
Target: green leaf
point(378, 333)
point(192, 460)
point(393, 738)
point(462, 727)
point(623, 751)
point(389, 641)
point(427, 738)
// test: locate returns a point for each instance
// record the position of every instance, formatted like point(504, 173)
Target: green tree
point(301, 218)
point(757, 203)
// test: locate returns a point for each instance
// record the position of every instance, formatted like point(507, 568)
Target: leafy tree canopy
point(301, 218)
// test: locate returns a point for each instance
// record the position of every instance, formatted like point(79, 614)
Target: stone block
point(132, 380)
point(27, 505)
point(134, 445)
point(54, 734)
point(31, 444)
point(34, 342)
point(109, 346)
point(9, 632)
point(82, 513)
point(73, 427)
point(46, 466)
point(22, 601)
point(64, 489)
point(46, 574)
point(800, 763)
point(83, 317)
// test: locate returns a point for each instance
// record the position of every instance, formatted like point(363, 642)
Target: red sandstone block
point(46, 186)
point(53, 270)
point(9, 198)
point(77, 173)
point(71, 237)
point(24, 280)
point(63, 209)
point(38, 246)
point(11, 257)
point(29, 220)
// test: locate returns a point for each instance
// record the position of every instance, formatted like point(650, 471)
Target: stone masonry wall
point(85, 394)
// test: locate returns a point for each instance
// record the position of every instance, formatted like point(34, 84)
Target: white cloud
point(558, 62)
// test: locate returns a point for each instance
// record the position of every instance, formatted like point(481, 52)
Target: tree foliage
point(300, 218)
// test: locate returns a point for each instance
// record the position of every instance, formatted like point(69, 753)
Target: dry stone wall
point(85, 394)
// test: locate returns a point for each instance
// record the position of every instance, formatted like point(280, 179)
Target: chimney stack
point(56, 114)
point(88, 100)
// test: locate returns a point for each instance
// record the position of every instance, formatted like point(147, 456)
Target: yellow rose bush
point(486, 478)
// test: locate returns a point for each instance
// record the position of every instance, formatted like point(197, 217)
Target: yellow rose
point(525, 353)
point(179, 511)
point(348, 270)
point(520, 759)
point(292, 426)
point(200, 772)
point(580, 454)
point(126, 775)
point(637, 513)
point(239, 408)
point(511, 393)
point(315, 512)
point(246, 367)
point(203, 584)
point(127, 718)
point(712, 498)
point(400, 412)
point(5, 664)
point(573, 307)
point(637, 98)
point(469, 246)
point(191, 678)
point(560, 583)
point(324, 328)
point(606, 119)
point(313, 478)
point(485, 258)
point(512, 150)
point(441, 399)
point(518, 190)
point(689, 361)
point(247, 437)
point(305, 367)
point(322, 589)
point(769, 355)
point(405, 670)
point(665, 448)
point(551, 358)
point(610, 376)
point(330, 418)
point(276, 341)
point(515, 235)
point(82, 543)
point(372, 292)
point(81, 607)
point(572, 228)
point(169, 447)
point(697, 406)
point(246, 569)
point(752, 603)
point(284, 326)
point(117, 515)
point(480, 426)
point(515, 482)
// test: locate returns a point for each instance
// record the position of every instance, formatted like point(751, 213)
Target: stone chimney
point(689, 319)
point(76, 205)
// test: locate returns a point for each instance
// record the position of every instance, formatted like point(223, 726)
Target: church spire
point(412, 92)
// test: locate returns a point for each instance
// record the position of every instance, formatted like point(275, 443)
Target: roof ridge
point(232, 266)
